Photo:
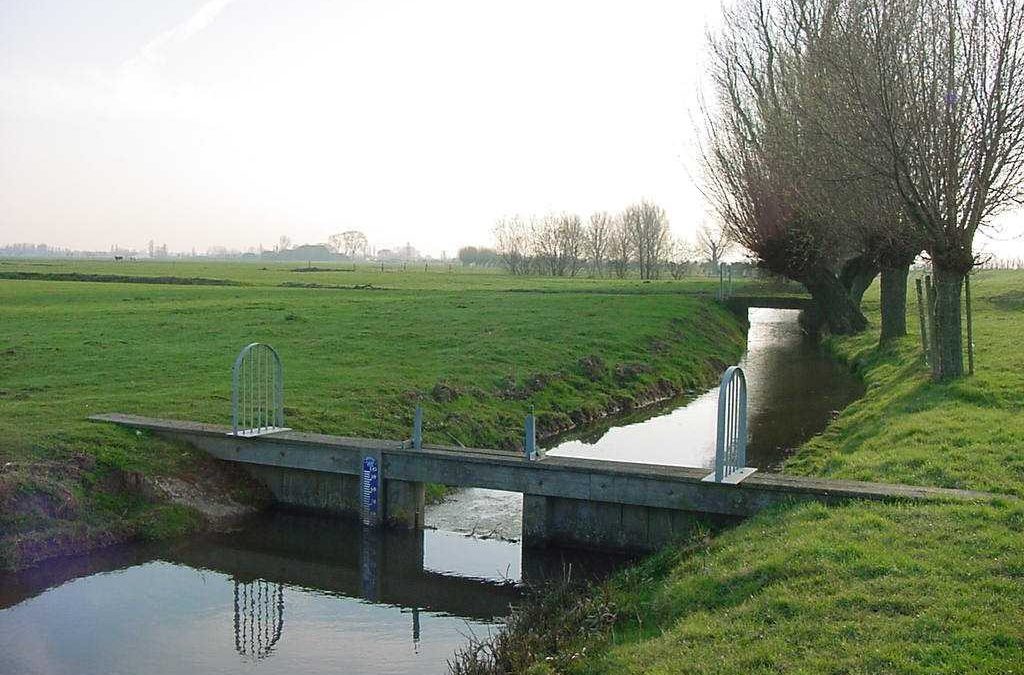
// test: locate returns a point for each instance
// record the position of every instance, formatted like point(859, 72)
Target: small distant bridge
point(740, 304)
point(569, 501)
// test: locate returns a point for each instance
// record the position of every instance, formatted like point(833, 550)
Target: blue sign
point(371, 487)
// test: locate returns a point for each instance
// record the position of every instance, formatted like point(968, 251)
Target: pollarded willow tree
point(937, 86)
point(763, 163)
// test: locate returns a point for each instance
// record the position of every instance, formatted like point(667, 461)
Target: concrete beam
point(645, 485)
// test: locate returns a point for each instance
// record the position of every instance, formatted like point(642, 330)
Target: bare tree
point(598, 235)
point(572, 242)
point(558, 243)
point(713, 242)
point(647, 227)
point(545, 242)
point(761, 160)
point(512, 242)
point(351, 243)
point(620, 248)
point(942, 97)
point(680, 256)
point(283, 244)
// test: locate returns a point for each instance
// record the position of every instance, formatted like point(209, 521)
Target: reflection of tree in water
point(259, 617)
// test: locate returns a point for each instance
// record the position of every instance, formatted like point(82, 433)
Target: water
point(793, 392)
point(291, 593)
point(288, 593)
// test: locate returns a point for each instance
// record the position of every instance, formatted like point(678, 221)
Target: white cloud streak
point(155, 51)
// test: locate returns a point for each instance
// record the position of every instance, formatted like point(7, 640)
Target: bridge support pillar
point(535, 520)
point(333, 492)
point(404, 503)
point(603, 525)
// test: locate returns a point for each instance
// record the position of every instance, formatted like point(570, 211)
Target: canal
point(301, 593)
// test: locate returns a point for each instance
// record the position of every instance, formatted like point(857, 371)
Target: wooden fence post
point(970, 325)
point(921, 320)
point(933, 338)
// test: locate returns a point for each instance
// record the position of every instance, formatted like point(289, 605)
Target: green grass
point(477, 349)
point(862, 587)
point(436, 277)
point(965, 434)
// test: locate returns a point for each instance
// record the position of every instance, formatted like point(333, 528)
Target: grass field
point(477, 349)
point(859, 588)
point(396, 276)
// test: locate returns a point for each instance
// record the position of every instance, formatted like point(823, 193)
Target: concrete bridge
point(567, 501)
point(740, 304)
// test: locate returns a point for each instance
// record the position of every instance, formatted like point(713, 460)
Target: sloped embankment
point(857, 588)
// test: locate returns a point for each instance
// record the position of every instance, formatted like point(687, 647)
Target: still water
point(300, 593)
point(289, 593)
point(793, 392)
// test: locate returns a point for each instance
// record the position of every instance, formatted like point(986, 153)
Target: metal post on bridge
point(417, 428)
point(731, 440)
point(530, 437)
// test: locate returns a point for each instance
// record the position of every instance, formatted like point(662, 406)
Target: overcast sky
point(232, 122)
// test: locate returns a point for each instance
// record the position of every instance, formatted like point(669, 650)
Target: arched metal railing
point(257, 391)
point(259, 617)
point(731, 441)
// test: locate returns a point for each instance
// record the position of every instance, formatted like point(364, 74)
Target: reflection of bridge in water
point(379, 566)
point(383, 566)
point(284, 553)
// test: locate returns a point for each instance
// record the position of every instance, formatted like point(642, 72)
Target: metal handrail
point(731, 439)
point(257, 391)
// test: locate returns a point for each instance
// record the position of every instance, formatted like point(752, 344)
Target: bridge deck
point(649, 485)
point(741, 303)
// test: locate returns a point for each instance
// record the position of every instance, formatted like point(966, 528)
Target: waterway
point(794, 390)
point(300, 593)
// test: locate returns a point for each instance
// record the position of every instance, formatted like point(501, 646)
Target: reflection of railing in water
point(259, 617)
point(259, 604)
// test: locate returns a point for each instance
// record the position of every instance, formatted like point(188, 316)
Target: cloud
point(136, 89)
point(154, 51)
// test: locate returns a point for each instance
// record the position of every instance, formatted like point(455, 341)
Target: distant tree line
point(846, 138)
point(635, 241)
point(479, 256)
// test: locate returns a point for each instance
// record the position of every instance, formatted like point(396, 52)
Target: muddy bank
point(52, 509)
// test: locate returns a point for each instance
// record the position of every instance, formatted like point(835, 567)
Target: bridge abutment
point(330, 492)
point(403, 501)
point(602, 525)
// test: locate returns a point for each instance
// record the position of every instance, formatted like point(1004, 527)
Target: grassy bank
point(478, 350)
point(858, 588)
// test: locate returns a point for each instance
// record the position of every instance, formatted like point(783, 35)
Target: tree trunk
point(836, 308)
point(894, 301)
point(949, 356)
point(857, 275)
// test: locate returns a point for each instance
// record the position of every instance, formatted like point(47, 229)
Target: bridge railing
point(731, 440)
point(257, 391)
